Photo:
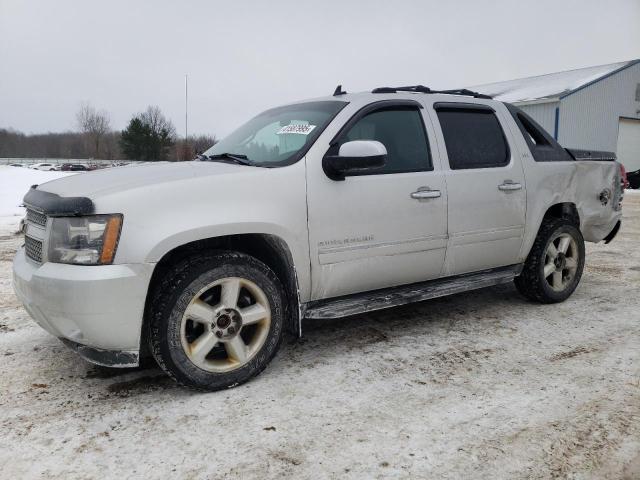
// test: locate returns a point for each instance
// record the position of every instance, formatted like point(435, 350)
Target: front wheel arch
point(269, 249)
point(202, 308)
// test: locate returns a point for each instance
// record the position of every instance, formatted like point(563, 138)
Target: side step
point(416, 292)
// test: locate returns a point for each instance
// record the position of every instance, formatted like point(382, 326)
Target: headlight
point(90, 240)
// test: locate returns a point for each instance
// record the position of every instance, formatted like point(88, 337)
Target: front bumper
point(106, 358)
point(96, 309)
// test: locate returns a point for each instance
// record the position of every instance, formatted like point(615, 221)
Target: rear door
point(485, 185)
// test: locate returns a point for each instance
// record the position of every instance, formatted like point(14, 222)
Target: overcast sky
point(243, 57)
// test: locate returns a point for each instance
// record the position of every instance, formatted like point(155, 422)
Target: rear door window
point(473, 137)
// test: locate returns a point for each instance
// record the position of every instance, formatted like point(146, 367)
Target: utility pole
point(183, 152)
point(186, 109)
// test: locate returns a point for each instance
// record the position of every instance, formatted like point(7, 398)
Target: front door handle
point(425, 192)
point(509, 186)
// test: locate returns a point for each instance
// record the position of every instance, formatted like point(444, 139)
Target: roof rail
point(465, 92)
point(413, 88)
point(423, 89)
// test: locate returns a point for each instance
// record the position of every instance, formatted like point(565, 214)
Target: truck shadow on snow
point(482, 309)
point(483, 306)
point(148, 377)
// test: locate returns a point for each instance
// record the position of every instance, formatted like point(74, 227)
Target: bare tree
point(155, 119)
point(200, 143)
point(94, 125)
point(53, 145)
point(194, 145)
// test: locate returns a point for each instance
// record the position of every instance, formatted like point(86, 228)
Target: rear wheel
point(217, 320)
point(554, 266)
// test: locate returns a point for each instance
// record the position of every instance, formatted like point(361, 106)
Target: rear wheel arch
point(557, 254)
point(271, 250)
point(561, 210)
point(564, 210)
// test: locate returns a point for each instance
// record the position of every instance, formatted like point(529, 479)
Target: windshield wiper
point(234, 157)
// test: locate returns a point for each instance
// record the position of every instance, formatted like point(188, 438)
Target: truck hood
point(118, 179)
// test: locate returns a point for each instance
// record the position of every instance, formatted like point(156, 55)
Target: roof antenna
point(338, 91)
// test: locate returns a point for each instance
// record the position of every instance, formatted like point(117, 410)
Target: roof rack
point(338, 91)
point(423, 89)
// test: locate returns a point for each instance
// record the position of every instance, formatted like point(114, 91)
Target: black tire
point(171, 298)
point(532, 283)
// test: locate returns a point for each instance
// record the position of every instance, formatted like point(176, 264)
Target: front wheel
point(554, 266)
point(217, 320)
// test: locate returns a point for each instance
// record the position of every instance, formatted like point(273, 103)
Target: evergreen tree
point(149, 136)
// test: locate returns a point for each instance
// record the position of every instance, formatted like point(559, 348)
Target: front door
point(377, 230)
point(486, 188)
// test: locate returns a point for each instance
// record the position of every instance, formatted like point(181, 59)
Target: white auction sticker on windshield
point(299, 129)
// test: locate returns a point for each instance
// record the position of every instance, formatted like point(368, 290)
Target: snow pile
point(551, 85)
point(14, 184)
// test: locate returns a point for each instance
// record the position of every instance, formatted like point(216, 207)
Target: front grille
point(36, 218)
point(33, 249)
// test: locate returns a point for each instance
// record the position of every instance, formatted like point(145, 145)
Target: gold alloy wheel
point(561, 261)
point(225, 325)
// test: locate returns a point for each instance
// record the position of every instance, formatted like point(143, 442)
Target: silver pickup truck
point(320, 209)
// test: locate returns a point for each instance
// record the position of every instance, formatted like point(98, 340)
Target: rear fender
point(577, 184)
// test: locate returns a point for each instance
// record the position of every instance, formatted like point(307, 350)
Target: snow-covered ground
point(483, 385)
point(14, 184)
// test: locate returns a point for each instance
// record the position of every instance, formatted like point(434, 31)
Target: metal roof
point(550, 87)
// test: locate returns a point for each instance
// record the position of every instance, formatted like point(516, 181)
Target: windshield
point(279, 136)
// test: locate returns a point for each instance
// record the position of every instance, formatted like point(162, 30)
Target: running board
point(416, 292)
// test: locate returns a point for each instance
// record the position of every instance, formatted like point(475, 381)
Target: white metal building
point(595, 108)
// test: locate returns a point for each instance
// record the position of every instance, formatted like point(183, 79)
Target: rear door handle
point(425, 192)
point(509, 186)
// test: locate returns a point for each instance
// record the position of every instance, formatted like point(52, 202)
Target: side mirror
point(356, 157)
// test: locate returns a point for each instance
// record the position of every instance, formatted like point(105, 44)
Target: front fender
point(206, 232)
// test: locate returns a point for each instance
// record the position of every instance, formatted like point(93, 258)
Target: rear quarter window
point(543, 147)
